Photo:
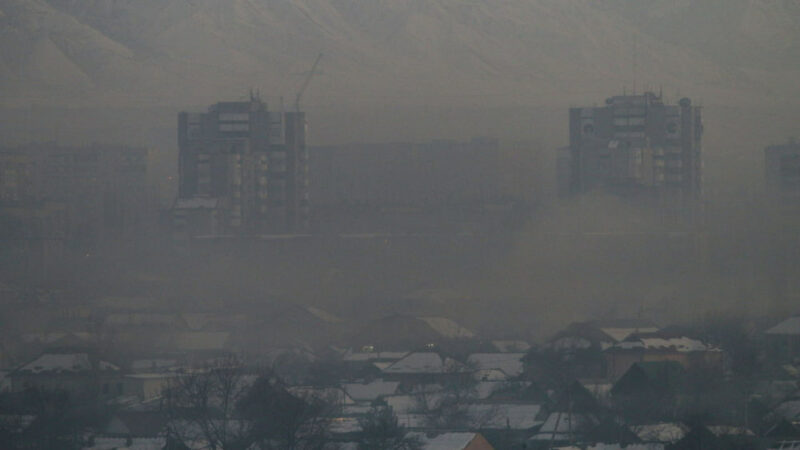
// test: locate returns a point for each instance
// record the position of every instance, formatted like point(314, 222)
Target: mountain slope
point(438, 51)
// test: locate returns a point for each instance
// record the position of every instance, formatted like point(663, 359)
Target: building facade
point(243, 170)
point(636, 146)
point(782, 164)
point(104, 187)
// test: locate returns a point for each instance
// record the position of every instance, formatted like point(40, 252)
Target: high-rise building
point(636, 146)
point(782, 164)
point(243, 170)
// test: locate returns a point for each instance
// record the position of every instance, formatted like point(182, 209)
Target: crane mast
point(303, 87)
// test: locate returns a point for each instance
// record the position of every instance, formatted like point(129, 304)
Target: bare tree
point(280, 419)
point(381, 431)
point(449, 406)
point(202, 408)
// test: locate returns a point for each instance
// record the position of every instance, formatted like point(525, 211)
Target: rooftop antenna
point(303, 87)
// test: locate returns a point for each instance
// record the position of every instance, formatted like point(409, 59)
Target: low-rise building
point(77, 372)
point(690, 353)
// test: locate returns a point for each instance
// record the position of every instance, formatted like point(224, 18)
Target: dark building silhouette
point(782, 164)
point(243, 170)
point(638, 147)
point(51, 194)
point(102, 187)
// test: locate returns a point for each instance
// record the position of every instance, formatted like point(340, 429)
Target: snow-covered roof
point(511, 346)
point(503, 416)
point(599, 390)
point(153, 364)
point(329, 394)
point(373, 356)
point(490, 375)
point(447, 328)
point(485, 389)
point(563, 422)
point(620, 334)
point(509, 363)
point(724, 430)
point(776, 390)
point(65, 362)
point(421, 363)
point(669, 432)
point(370, 391)
point(790, 326)
point(680, 344)
point(404, 404)
point(789, 410)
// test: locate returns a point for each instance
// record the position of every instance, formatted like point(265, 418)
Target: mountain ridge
point(440, 51)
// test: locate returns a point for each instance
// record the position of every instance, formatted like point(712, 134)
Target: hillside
point(459, 52)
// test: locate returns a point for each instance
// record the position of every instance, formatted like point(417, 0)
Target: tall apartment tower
point(639, 147)
point(243, 170)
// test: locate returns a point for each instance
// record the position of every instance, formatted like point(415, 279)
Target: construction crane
point(303, 87)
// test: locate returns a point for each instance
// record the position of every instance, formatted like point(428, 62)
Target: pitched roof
point(447, 328)
point(789, 327)
point(665, 432)
point(370, 391)
point(789, 410)
point(663, 341)
point(651, 375)
point(509, 363)
point(563, 422)
point(454, 441)
point(421, 363)
point(503, 416)
point(66, 363)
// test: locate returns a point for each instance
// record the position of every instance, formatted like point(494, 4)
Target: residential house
point(692, 354)
point(562, 427)
point(404, 332)
point(783, 339)
point(77, 372)
point(496, 366)
point(424, 367)
point(455, 441)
